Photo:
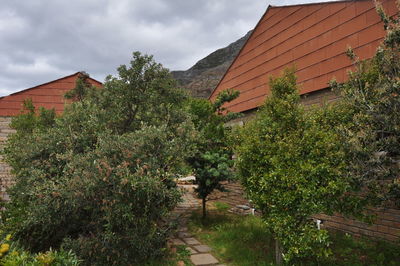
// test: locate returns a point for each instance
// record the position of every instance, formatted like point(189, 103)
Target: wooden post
point(278, 252)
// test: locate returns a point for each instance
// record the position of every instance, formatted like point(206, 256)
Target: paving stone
point(181, 215)
point(184, 235)
point(177, 241)
point(203, 259)
point(191, 241)
point(202, 248)
point(191, 250)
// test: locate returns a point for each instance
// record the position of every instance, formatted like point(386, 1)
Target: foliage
point(99, 180)
point(221, 206)
point(30, 119)
point(212, 161)
point(372, 92)
point(348, 250)
point(82, 88)
point(11, 254)
point(293, 165)
point(179, 255)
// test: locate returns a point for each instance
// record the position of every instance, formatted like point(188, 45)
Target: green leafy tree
point(293, 165)
point(212, 161)
point(31, 119)
point(372, 92)
point(99, 179)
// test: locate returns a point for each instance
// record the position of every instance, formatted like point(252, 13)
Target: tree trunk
point(204, 208)
point(278, 252)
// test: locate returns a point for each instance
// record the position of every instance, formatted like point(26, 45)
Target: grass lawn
point(244, 240)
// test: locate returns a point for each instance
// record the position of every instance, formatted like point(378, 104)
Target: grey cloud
point(41, 40)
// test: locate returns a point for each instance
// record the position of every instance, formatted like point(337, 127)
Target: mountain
point(202, 78)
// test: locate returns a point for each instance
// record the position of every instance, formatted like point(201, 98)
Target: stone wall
point(5, 171)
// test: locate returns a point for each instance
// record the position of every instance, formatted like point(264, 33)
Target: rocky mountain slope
point(202, 78)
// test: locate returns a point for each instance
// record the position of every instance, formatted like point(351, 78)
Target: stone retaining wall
point(234, 196)
point(6, 178)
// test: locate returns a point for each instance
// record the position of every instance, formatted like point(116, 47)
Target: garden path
point(200, 254)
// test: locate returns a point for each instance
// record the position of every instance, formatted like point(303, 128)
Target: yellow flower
point(8, 237)
point(45, 259)
point(14, 253)
point(4, 248)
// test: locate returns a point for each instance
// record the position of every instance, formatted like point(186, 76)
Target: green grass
point(236, 240)
point(221, 206)
point(348, 250)
point(244, 240)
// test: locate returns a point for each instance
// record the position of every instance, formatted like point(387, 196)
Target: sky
point(43, 40)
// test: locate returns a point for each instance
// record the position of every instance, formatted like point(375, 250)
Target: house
point(314, 39)
point(311, 37)
point(48, 95)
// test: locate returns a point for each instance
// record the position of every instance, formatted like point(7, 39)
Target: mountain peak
point(202, 78)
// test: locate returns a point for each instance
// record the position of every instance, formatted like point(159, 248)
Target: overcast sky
point(42, 40)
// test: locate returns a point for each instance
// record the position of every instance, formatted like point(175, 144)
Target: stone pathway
point(200, 254)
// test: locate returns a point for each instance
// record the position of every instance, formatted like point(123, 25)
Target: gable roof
point(48, 95)
point(312, 37)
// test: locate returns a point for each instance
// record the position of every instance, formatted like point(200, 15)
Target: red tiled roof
point(313, 38)
point(48, 95)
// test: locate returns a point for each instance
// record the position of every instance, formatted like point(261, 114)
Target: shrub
point(11, 254)
point(99, 180)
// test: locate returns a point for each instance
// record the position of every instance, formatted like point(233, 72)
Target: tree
point(212, 161)
point(372, 92)
point(31, 119)
point(99, 180)
point(292, 166)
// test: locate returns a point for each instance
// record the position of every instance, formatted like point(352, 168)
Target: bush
point(11, 254)
point(99, 179)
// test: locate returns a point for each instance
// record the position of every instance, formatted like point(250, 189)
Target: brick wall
point(319, 97)
point(386, 225)
point(5, 171)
